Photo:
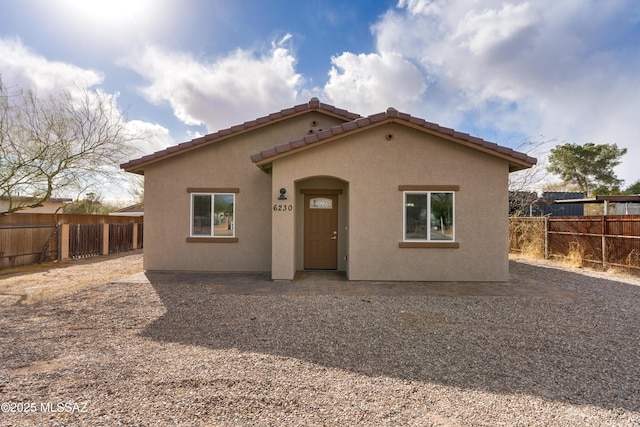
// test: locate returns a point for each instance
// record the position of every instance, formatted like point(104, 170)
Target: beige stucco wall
point(368, 168)
point(288, 226)
point(47, 207)
point(219, 165)
point(372, 167)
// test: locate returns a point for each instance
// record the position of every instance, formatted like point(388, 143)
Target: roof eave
point(314, 105)
point(265, 163)
point(265, 158)
point(138, 167)
point(515, 164)
point(133, 169)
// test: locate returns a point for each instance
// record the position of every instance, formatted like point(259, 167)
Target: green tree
point(91, 204)
point(633, 188)
point(589, 166)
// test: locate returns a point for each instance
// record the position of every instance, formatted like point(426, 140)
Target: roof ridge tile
point(282, 148)
point(326, 133)
point(298, 143)
point(362, 122)
point(348, 126)
point(309, 139)
point(378, 117)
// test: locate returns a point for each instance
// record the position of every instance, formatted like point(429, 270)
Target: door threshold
point(323, 275)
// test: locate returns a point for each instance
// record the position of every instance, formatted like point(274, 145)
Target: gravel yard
point(82, 346)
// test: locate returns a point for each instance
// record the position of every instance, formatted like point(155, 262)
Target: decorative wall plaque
point(320, 203)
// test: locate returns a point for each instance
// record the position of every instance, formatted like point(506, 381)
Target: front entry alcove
point(321, 224)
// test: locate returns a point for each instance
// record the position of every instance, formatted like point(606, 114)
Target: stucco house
point(384, 197)
point(51, 205)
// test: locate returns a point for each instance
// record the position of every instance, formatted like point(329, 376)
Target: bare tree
point(136, 189)
point(64, 142)
point(523, 185)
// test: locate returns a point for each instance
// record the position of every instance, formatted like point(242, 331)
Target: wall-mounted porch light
point(282, 196)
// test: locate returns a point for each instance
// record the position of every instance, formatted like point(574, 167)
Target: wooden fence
point(612, 240)
point(28, 238)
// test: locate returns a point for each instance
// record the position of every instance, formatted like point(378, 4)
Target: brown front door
point(320, 232)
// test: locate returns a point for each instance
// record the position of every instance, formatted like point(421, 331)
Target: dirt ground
point(94, 342)
point(25, 285)
point(28, 284)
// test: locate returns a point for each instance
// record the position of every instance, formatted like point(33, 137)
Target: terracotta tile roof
point(33, 199)
point(137, 165)
point(138, 207)
point(517, 160)
point(354, 122)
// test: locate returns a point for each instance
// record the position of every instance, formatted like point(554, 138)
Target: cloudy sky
point(508, 71)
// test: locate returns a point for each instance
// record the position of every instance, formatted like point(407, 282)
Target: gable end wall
point(223, 164)
point(374, 167)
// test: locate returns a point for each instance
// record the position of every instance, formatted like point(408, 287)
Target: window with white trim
point(213, 214)
point(429, 216)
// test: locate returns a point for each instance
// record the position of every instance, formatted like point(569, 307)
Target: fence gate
point(85, 240)
point(120, 237)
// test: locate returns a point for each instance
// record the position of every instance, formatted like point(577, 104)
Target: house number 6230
point(282, 208)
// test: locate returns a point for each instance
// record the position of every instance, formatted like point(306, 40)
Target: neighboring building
point(133, 210)
point(50, 206)
point(627, 208)
point(547, 206)
point(622, 204)
point(524, 203)
point(384, 197)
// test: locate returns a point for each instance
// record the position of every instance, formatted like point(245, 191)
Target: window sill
point(212, 240)
point(440, 245)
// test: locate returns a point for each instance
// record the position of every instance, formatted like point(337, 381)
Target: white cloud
point(243, 85)
point(481, 31)
point(420, 7)
point(21, 67)
point(566, 70)
point(370, 83)
point(152, 137)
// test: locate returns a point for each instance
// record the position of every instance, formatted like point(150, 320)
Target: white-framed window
point(429, 216)
point(213, 214)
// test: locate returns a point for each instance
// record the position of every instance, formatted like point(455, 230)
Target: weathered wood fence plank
point(611, 240)
point(30, 238)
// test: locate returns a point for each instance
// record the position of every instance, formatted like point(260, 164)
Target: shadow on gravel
point(578, 344)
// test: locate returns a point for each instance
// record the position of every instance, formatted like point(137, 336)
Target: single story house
point(51, 205)
point(383, 197)
point(132, 210)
